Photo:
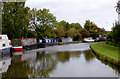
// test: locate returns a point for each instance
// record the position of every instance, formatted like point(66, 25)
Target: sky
point(101, 12)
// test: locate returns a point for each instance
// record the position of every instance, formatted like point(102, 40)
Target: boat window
point(0, 37)
point(3, 45)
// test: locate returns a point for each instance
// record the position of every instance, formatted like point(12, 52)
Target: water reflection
point(89, 56)
point(5, 62)
point(65, 56)
point(113, 66)
point(45, 64)
point(4, 65)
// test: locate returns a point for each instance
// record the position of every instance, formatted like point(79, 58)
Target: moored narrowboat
point(5, 45)
point(89, 40)
point(47, 42)
point(24, 44)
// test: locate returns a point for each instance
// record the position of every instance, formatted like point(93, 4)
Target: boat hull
point(5, 51)
point(18, 48)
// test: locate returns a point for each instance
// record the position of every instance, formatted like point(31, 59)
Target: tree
point(65, 24)
point(0, 17)
point(14, 19)
point(32, 14)
point(84, 33)
point(116, 33)
point(76, 26)
point(113, 37)
point(73, 33)
point(45, 24)
point(59, 31)
point(92, 28)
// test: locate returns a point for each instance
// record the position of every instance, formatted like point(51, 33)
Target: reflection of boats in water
point(17, 52)
point(24, 56)
point(5, 62)
point(28, 55)
point(5, 45)
point(4, 65)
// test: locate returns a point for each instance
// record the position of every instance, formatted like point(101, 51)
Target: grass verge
point(106, 52)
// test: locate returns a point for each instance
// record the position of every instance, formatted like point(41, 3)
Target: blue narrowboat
point(47, 42)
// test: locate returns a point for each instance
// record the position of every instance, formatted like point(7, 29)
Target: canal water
point(72, 60)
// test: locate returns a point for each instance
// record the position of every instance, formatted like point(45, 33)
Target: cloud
point(102, 12)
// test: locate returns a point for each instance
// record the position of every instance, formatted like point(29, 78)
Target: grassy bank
point(106, 52)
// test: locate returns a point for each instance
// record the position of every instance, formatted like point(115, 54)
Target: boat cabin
point(48, 40)
point(5, 44)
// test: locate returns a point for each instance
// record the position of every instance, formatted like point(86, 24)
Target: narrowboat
point(47, 42)
point(5, 45)
point(89, 40)
point(23, 44)
point(100, 39)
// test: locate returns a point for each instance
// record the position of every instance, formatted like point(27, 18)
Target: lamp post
point(118, 10)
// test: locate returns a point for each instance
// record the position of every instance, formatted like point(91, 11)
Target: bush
point(113, 37)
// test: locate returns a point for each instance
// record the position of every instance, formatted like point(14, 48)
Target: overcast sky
point(101, 12)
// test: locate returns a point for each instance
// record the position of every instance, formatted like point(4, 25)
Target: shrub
point(113, 37)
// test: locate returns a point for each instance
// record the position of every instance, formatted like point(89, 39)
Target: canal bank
point(106, 52)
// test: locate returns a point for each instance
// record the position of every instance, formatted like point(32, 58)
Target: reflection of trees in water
point(116, 68)
point(41, 67)
point(44, 64)
point(75, 54)
point(17, 69)
point(65, 56)
point(113, 66)
point(89, 55)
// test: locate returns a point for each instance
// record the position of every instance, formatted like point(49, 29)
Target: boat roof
point(3, 37)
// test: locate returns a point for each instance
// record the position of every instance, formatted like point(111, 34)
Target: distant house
point(67, 40)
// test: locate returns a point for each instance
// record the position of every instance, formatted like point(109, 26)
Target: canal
point(72, 60)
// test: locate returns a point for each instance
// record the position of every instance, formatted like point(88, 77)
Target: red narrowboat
point(24, 44)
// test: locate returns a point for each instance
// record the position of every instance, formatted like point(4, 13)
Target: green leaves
point(43, 22)
point(14, 19)
point(93, 29)
point(114, 36)
point(76, 26)
point(18, 20)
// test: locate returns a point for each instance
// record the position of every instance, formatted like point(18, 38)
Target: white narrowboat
point(89, 40)
point(5, 45)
